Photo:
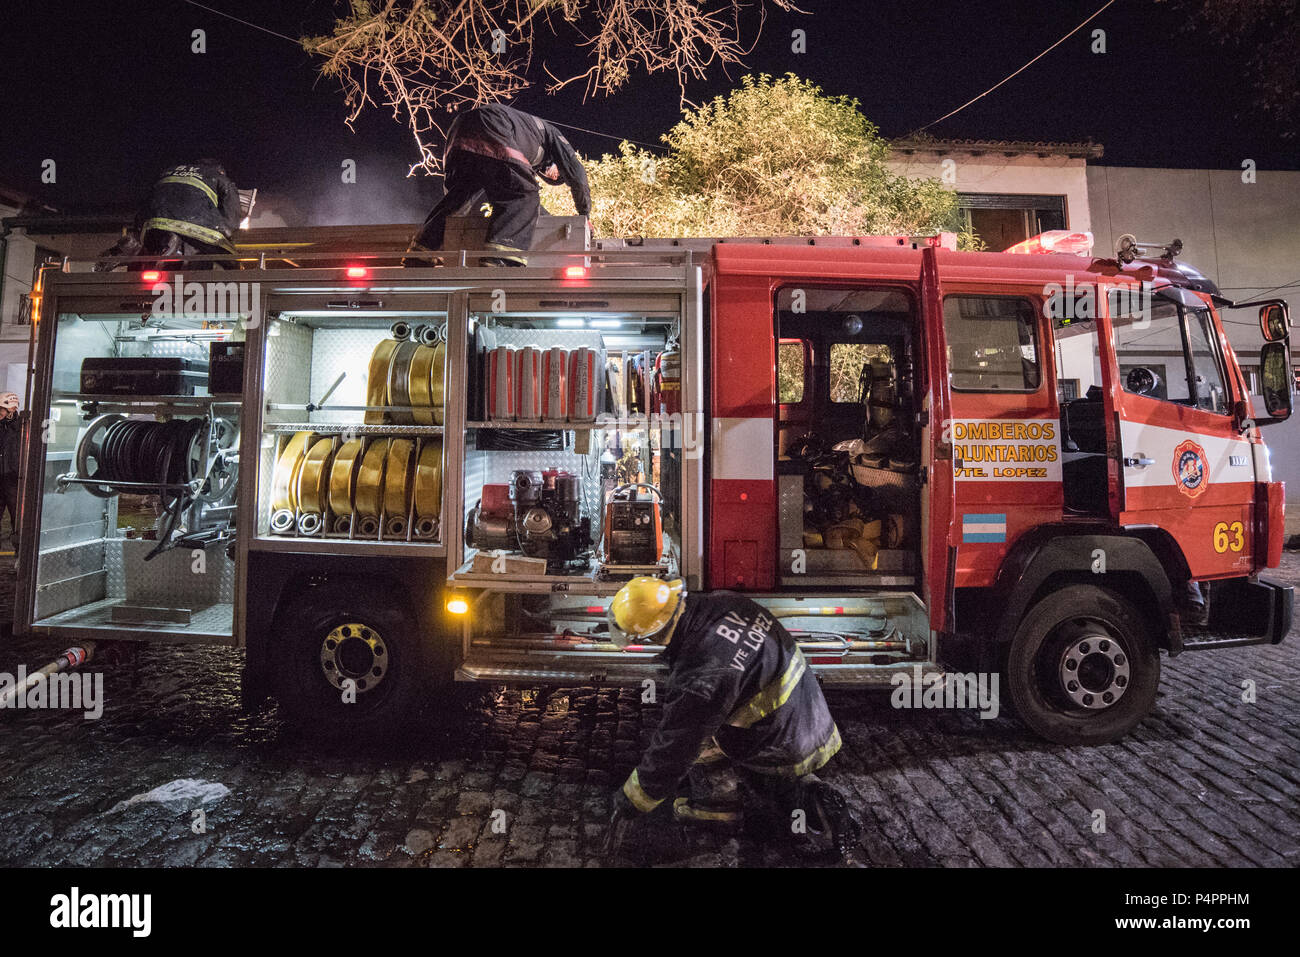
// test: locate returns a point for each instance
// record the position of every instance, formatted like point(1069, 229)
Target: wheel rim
point(1091, 666)
point(354, 652)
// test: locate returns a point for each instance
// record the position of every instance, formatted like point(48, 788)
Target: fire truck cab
point(375, 479)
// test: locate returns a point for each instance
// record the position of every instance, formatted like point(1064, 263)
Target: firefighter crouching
point(494, 154)
point(739, 690)
point(191, 210)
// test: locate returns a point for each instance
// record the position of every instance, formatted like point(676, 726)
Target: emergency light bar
point(1055, 241)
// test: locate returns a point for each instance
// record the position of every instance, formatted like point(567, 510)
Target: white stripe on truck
point(743, 449)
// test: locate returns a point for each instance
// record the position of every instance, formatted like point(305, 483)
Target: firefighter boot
point(831, 817)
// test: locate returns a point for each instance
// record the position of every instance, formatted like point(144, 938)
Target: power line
point(1018, 72)
point(282, 36)
point(417, 83)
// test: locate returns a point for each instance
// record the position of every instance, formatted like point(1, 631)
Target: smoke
point(375, 189)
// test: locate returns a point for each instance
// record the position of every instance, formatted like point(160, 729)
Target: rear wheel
point(1082, 668)
point(348, 661)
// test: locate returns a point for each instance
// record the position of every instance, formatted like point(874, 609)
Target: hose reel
point(189, 463)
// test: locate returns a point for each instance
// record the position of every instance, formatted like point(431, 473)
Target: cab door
point(1185, 460)
point(938, 504)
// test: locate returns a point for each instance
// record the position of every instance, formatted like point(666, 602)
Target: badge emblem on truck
point(1190, 472)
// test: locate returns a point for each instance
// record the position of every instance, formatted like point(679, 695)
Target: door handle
point(1139, 461)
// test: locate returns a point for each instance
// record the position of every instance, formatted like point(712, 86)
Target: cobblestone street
point(1207, 780)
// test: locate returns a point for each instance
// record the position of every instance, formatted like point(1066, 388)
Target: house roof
point(924, 144)
point(17, 199)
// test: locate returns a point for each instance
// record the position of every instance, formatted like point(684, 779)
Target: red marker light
point(575, 272)
point(151, 275)
point(358, 272)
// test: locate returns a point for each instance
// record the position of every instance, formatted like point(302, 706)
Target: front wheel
point(348, 662)
point(1082, 668)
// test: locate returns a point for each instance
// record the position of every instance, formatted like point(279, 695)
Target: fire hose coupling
point(400, 330)
point(73, 657)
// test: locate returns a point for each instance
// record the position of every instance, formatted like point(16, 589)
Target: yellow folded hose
point(397, 483)
point(418, 384)
point(343, 477)
point(428, 481)
point(284, 481)
point(377, 380)
point(313, 476)
point(436, 377)
point(370, 479)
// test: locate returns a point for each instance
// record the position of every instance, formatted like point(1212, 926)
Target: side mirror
point(1274, 322)
point(1277, 380)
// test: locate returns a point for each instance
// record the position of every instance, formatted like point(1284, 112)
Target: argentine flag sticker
point(983, 527)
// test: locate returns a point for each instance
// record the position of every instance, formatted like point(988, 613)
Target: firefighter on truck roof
point(495, 153)
point(739, 691)
point(192, 209)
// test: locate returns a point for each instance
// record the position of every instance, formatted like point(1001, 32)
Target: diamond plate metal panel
point(169, 579)
point(287, 377)
point(70, 576)
point(217, 619)
point(338, 351)
point(546, 338)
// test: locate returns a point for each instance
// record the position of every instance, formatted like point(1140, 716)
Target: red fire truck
point(375, 479)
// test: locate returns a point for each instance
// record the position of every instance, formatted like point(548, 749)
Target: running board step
point(489, 671)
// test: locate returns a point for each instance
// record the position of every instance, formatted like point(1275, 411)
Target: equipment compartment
point(135, 517)
point(352, 434)
point(573, 450)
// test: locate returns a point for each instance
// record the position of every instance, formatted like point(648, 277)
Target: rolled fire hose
point(284, 482)
point(420, 384)
point(397, 487)
point(343, 478)
point(74, 657)
point(377, 380)
point(436, 373)
point(399, 380)
point(370, 487)
point(428, 490)
point(313, 485)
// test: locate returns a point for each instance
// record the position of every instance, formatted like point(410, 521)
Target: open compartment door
point(938, 505)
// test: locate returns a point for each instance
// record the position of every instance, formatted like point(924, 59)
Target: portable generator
point(539, 513)
point(633, 531)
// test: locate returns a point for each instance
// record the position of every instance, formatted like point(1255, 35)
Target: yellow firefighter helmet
point(645, 609)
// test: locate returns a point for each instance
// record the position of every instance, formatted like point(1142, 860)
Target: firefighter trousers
point(157, 242)
point(471, 179)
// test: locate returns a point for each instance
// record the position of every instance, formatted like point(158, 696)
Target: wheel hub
point(1094, 671)
point(356, 653)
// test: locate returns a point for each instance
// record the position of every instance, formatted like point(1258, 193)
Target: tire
point(1074, 648)
point(339, 631)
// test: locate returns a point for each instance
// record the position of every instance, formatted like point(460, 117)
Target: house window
point(1004, 219)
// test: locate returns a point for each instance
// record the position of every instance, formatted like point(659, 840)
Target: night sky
point(111, 91)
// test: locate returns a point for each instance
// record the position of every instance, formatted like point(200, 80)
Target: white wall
point(1244, 236)
point(995, 173)
point(20, 256)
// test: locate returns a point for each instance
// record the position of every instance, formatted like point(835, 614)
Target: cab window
point(992, 344)
point(791, 371)
point(1169, 352)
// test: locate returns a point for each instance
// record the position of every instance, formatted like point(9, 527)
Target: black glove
point(620, 823)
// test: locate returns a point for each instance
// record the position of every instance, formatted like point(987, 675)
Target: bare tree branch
point(425, 59)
